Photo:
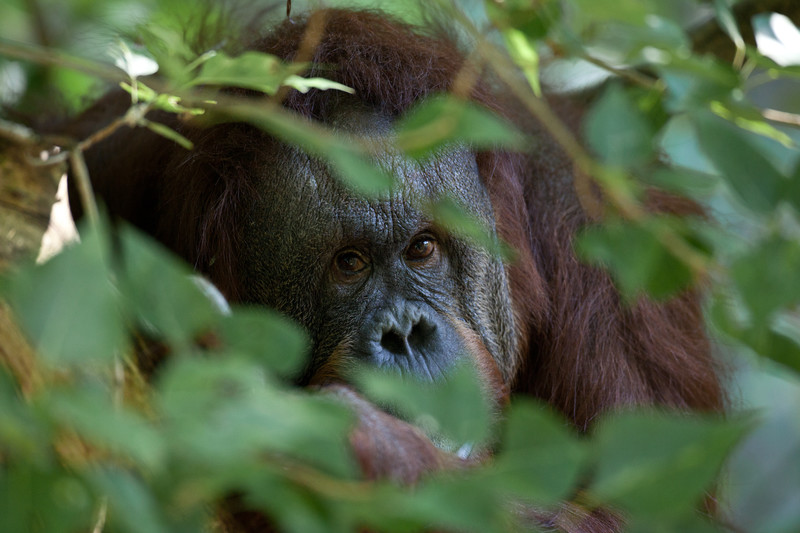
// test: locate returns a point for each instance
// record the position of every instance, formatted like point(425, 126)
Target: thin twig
point(102, 512)
point(781, 116)
point(629, 74)
point(81, 175)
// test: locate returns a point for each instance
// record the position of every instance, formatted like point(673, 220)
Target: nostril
point(395, 343)
point(420, 333)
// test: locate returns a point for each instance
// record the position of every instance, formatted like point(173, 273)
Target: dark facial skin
point(376, 280)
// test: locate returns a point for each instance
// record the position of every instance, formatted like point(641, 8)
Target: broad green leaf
point(206, 401)
point(24, 436)
point(618, 131)
point(92, 415)
point(745, 168)
point(442, 120)
point(251, 70)
point(272, 338)
point(762, 478)
point(293, 508)
point(692, 83)
point(466, 504)
point(453, 407)
point(159, 290)
point(458, 220)
point(657, 464)
point(51, 500)
point(356, 170)
point(683, 181)
point(132, 505)
point(68, 306)
point(767, 277)
point(633, 12)
point(635, 256)
point(532, 19)
point(351, 162)
point(541, 458)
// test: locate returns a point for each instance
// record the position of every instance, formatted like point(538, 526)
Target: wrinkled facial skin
point(376, 280)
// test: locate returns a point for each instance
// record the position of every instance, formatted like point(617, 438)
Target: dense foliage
point(92, 445)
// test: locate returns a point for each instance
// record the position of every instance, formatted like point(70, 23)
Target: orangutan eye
point(350, 262)
point(421, 248)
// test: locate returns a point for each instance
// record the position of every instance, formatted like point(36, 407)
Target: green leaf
point(92, 415)
point(523, 52)
point(657, 464)
point(683, 181)
point(457, 219)
point(132, 506)
point(68, 306)
point(24, 436)
point(616, 129)
point(635, 256)
point(355, 170)
point(541, 458)
point(745, 168)
point(272, 338)
point(251, 70)
point(159, 290)
point(445, 120)
point(767, 277)
point(351, 162)
point(533, 19)
point(692, 83)
point(206, 401)
point(634, 12)
point(168, 133)
point(51, 500)
point(454, 407)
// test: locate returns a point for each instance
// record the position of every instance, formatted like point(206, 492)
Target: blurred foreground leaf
point(69, 307)
point(660, 465)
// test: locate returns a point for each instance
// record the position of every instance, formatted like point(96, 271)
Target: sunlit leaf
point(251, 70)
point(306, 84)
point(440, 121)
